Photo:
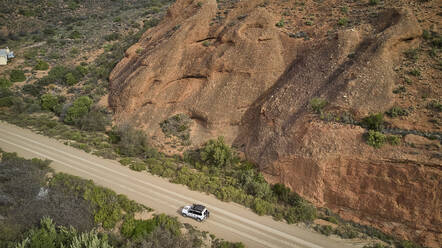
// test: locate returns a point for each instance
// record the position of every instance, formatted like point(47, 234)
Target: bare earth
point(228, 220)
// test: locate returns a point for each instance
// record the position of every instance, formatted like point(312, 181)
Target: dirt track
point(228, 220)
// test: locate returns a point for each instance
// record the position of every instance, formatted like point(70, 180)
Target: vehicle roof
point(198, 207)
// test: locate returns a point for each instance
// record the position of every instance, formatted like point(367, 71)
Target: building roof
point(3, 53)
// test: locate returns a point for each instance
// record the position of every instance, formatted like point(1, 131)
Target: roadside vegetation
point(76, 51)
point(41, 208)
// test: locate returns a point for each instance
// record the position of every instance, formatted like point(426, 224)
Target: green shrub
point(81, 70)
point(373, 2)
point(138, 166)
point(132, 142)
point(394, 139)
point(125, 161)
point(47, 235)
point(217, 153)
point(317, 104)
point(375, 138)
point(5, 83)
point(206, 43)
point(373, 122)
point(280, 24)
point(178, 126)
point(377, 245)
point(435, 105)
point(143, 228)
point(75, 35)
point(49, 102)
point(78, 110)
point(343, 22)
point(95, 120)
point(7, 101)
point(415, 72)
point(412, 54)
point(17, 76)
point(397, 111)
point(346, 232)
point(261, 207)
point(108, 207)
point(70, 79)
point(399, 89)
point(63, 75)
point(111, 37)
point(32, 89)
point(325, 230)
point(41, 65)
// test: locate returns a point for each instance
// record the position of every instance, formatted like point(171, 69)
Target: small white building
point(5, 54)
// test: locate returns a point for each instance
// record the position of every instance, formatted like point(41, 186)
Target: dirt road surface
point(227, 220)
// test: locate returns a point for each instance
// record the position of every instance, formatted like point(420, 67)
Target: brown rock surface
point(235, 73)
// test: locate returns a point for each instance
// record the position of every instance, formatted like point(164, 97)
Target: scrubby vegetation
point(317, 104)
point(48, 235)
point(397, 111)
point(66, 211)
point(373, 122)
point(17, 76)
point(178, 126)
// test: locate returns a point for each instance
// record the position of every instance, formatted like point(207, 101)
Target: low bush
point(108, 207)
point(415, 72)
point(400, 89)
point(394, 139)
point(131, 141)
point(49, 102)
point(317, 104)
point(217, 153)
point(280, 24)
point(325, 230)
point(41, 65)
point(7, 101)
point(48, 235)
point(343, 22)
point(178, 126)
point(434, 105)
point(95, 120)
point(397, 111)
point(112, 36)
point(373, 122)
point(375, 138)
point(17, 76)
point(5, 83)
point(78, 110)
point(412, 54)
point(138, 166)
point(32, 89)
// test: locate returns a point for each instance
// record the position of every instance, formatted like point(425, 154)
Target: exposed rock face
point(242, 77)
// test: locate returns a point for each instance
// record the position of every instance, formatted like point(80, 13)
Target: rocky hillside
point(251, 71)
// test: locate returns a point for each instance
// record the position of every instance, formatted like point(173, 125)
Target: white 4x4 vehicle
point(198, 212)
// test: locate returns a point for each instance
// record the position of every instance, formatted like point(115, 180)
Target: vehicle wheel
point(184, 215)
point(198, 219)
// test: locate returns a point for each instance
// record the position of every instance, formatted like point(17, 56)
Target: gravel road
point(227, 220)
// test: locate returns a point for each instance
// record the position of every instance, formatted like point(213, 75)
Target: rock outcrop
point(235, 73)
